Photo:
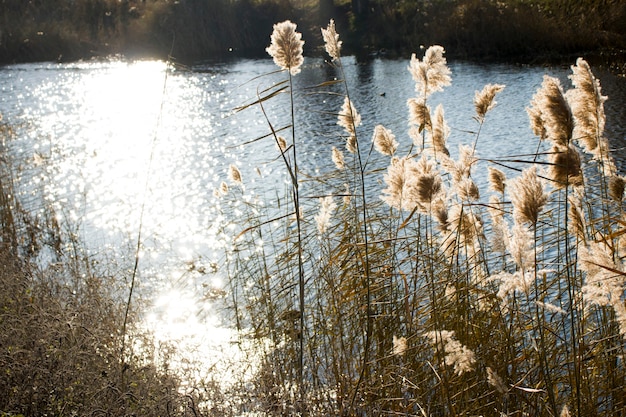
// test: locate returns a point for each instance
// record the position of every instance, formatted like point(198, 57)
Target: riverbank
point(190, 31)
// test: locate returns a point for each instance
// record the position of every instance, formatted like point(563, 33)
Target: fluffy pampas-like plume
point(528, 196)
point(616, 188)
point(419, 119)
point(485, 100)
point(497, 180)
point(322, 219)
point(432, 73)
point(587, 104)
point(337, 158)
point(384, 141)
point(565, 166)
point(331, 41)
point(234, 174)
point(349, 119)
point(456, 355)
point(399, 345)
point(550, 113)
point(440, 132)
point(286, 47)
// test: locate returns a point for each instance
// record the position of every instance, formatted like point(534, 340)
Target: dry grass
point(61, 339)
point(444, 299)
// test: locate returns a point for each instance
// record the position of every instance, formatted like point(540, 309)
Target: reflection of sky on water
point(114, 137)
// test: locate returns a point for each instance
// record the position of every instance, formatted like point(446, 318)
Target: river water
point(122, 148)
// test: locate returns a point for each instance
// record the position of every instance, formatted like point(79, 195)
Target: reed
point(431, 296)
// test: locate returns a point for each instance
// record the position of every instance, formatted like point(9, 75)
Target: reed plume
point(396, 179)
point(349, 119)
point(605, 280)
point(565, 166)
point(432, 73)
point(616, 188)
point(528, 196)
point(331, 41)
point(576, 225)
point(419, 113)
point(497, 180)
point(399, 345)
point(499, 230)
point(521, 247)
point(322, 219)
point(384, 140)
point(440, 132)
point(425, 189)
point(587, 104)
point(460, 357)
point(550, 113)
point(467, 190)
point(412, 184)
point(337, 158)
point(281, 143)
point(286, 47)
point(484, 100)
point(495, 381)
point(234, 174)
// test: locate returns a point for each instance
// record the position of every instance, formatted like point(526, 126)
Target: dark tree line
point(194, 30)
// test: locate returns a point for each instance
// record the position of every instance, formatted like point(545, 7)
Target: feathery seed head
point(466, 224)
point(431, 74)
point(521, 246)
point(485, 99)
point(497, 180)
point(351, 144)
point(536, 121)
point(322, 219)
point(281, 143)
point(440, 132)
point(602, 287)
point(495, 381)
point(234, 174)
point(528, 196)
point(412, 184)
point(616, 188)
point(331, 41)
point(384, 141)
point(587, 104)
point(399, 345)
point(551, 113)
point(348, 117)
point(460, 357)
point(419, 113)
point(337, 158)
point(440, 212)
point(395, 178)
point(499, 231)
point(286, 47)
point(565, 167)
point(576, 226)
point(468, 190)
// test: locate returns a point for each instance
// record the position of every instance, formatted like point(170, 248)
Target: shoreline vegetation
point(189, 31)
point(433, 298)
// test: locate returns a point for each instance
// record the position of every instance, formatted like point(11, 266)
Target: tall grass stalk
point(439, 298)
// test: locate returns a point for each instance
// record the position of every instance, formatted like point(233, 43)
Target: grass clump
point(62, 348)
point(393, 283)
